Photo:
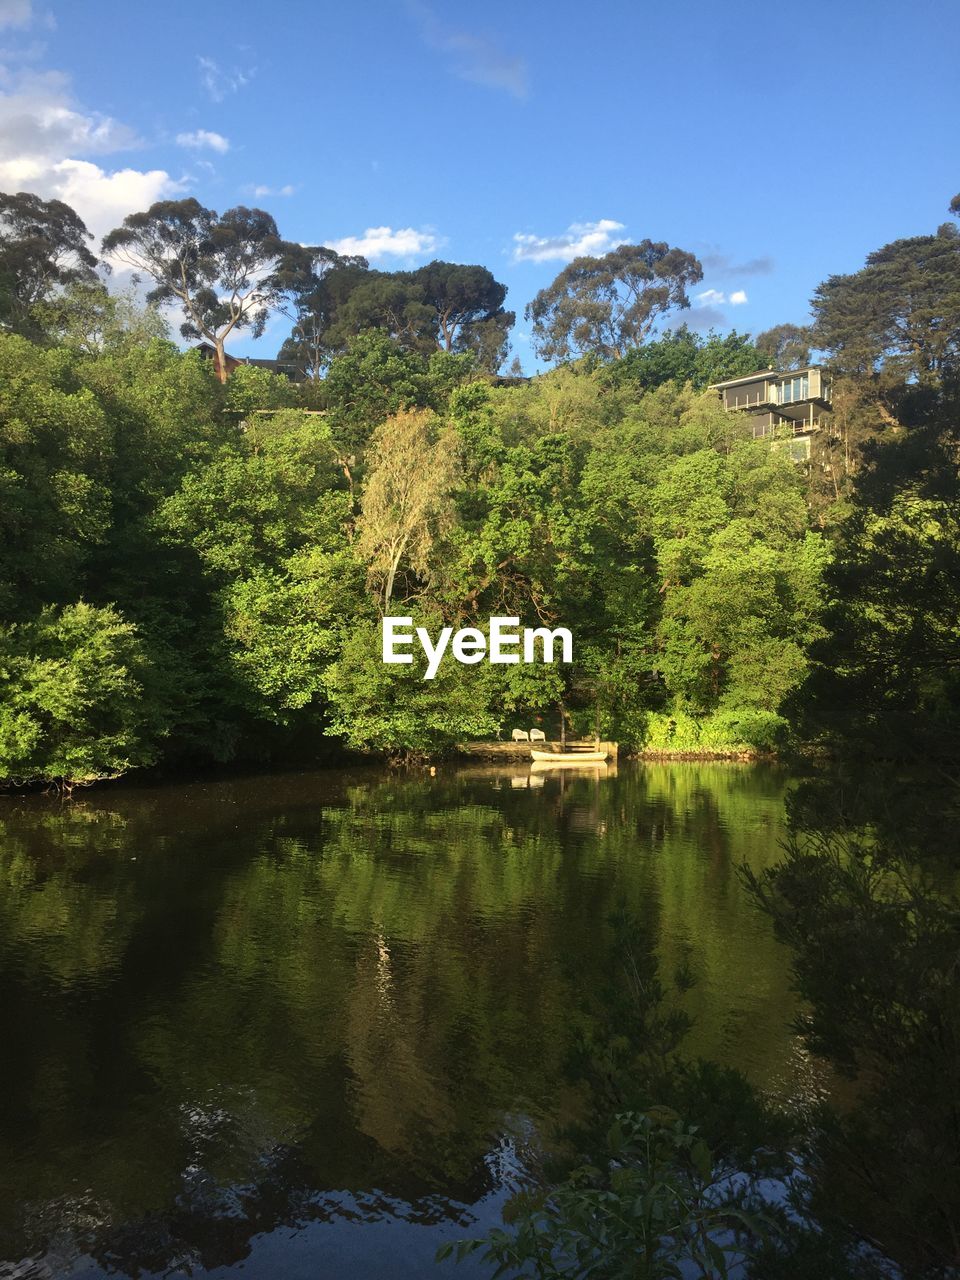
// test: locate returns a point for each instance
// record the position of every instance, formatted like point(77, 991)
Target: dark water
point(309, 1025)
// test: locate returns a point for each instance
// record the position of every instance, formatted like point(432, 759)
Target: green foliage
point(320, 281)
point(682, 356)
point(884, 678)
point(373, 379)
point(242, 534)
point(392, 708)
point(72, 704)
point(54, 481)
point(888, 671)
point(262, 500)
point(602, 307)
point(43, 248)
point(901, 311)
point(88, 320)
point(741, 593)
point(227, 272)
point(284, 627)
point(442, 306)
point(785, 346)
point(251, 389)
point(654, 1209)
point(739, 731)
point(612, 496)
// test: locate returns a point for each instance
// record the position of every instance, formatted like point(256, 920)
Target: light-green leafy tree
point(73, 698)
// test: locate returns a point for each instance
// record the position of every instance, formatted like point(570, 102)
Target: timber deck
point(521, 750)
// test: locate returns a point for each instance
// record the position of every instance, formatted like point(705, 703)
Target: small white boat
point(568, 757)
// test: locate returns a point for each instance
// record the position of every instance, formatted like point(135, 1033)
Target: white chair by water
point(537, 735)
point(520, 735)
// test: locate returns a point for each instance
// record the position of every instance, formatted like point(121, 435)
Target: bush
point(71, 698)
point(658, 1207)
point(724, 732)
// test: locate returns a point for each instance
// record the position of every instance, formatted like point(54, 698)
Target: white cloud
point(473, 58)
point(219, 82)
point(38, 118)
point(383, 242)
point(44, 139)
point(201, 139)
point(20, 54)
point(288, 189)
point(15, 13)
point(102, 199)
point(580, 238)
point(716, 298)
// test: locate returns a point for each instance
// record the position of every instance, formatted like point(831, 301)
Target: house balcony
point(804, 420)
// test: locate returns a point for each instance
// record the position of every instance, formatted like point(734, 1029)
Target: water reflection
point(314, 1021)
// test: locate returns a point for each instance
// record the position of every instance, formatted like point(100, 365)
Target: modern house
point(787, 407)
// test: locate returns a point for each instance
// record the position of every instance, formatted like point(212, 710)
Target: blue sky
point(780, 144)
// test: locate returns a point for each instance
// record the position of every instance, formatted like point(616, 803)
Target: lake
point(313, 1024)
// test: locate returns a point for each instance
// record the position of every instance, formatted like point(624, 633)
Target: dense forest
point(193, 565)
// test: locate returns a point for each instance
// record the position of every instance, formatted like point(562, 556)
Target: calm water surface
point(309, 1025)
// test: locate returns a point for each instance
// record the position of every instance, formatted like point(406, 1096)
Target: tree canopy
point(43, 247)
point(604, 306)
point(684, 356)
point(320, 283)
point(901, 310)
point(443, 306)
point(227, 272)
point(243, 528)
point(784, 346)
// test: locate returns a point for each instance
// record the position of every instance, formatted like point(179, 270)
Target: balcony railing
point(801, 428)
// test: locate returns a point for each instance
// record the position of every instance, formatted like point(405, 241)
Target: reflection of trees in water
point(210, 1224)
point(351, 980)
point(867, 898)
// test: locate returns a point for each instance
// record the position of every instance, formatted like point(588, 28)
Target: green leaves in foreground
point(656, 1207)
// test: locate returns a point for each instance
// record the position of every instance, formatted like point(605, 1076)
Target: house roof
point(765, 374)
point(275, 365)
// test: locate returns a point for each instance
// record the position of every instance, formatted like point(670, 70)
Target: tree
point(785, 346)
point(373, 378)
point(393, 302)
point(901, 311)
point(227, 272)
point(393, 709)
point(88, 320)
point(407, 501)
point(319, 289)
point(468, 304)
point(43, 247)
point(604, 306)
point(72, 704)
point(443, 306)
point(682, 356)
point(259, 503)
point(885, 677)
point(55, 500)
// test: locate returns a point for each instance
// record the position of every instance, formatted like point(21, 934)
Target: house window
point(795, 389)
